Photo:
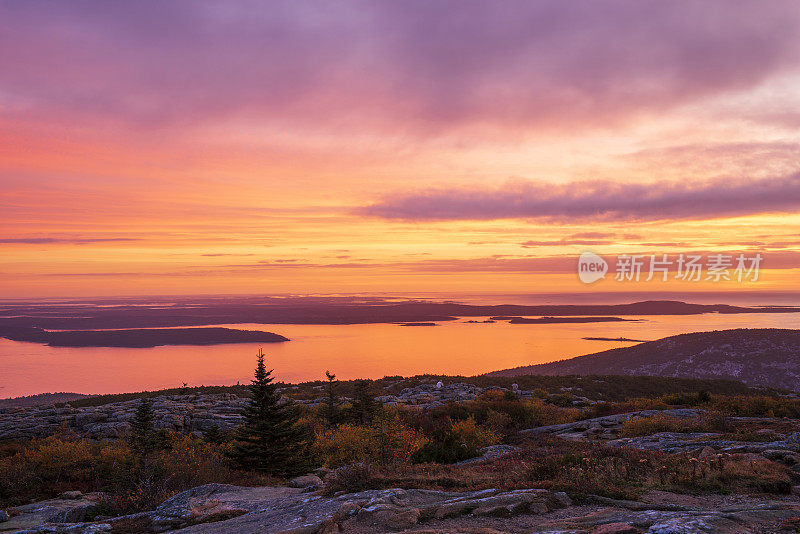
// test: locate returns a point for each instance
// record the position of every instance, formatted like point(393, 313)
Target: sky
point(197, 147)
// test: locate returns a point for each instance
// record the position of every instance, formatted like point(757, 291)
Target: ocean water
point(350, 351)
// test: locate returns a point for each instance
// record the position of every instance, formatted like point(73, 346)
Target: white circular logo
point(591, 267)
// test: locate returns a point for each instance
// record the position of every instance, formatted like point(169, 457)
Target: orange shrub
point(383, 441)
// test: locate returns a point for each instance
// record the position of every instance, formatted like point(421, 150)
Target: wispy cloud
point(62, 240)
point(597, 200)
point(565, 242)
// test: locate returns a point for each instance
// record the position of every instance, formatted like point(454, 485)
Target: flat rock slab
point(675, 442)
point(383, 510)
point(51, 511)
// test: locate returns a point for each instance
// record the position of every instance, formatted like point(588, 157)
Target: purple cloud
point(597, 200)
point(418, 63)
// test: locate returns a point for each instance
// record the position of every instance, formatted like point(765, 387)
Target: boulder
point(312, 482)
point(492, 452)
point(389, 516)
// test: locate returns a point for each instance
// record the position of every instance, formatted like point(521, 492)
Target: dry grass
point(583, 469)
point(646, 426)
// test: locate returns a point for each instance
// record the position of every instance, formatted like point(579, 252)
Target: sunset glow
point(348, 147)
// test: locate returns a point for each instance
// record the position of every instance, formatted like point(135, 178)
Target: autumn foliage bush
point(454, 441)
point(504, 413)
point(382, 441)
point(44, 468)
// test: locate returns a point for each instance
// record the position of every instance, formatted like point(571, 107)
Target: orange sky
point(314, 148)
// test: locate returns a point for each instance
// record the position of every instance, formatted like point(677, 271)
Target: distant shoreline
point(557, 320)
point(90, 316)
point(626, 339)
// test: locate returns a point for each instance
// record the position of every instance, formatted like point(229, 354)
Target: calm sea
point(350, 351)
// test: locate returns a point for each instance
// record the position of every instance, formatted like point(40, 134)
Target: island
point(553, 320)
point(140, 337)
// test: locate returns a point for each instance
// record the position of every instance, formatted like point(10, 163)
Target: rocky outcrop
point(222, 509)
point(196, 412)
point(608, 426)
point(620, 518)
point(430, 394)
point(425, 395)
point(492, 452)
point(185, 413)
point(676, 442)
point(70, 507)
point(784, 449)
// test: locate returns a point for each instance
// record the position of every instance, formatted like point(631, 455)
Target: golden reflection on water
point(350, 351)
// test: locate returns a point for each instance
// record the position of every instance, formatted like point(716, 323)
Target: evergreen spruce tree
point(269, 440)
point(329, 410)
point(364, 407)
point(142, 435)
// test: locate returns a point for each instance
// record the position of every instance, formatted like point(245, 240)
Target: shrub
point(44, 468)
point(385, 440)
point(517, 414)
point(560, 399)
point(757, 406)
point(640, 403)
point(351, 478)
point(345, 444)
point(47, 467)
point(688, 399)
point(455, 441)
